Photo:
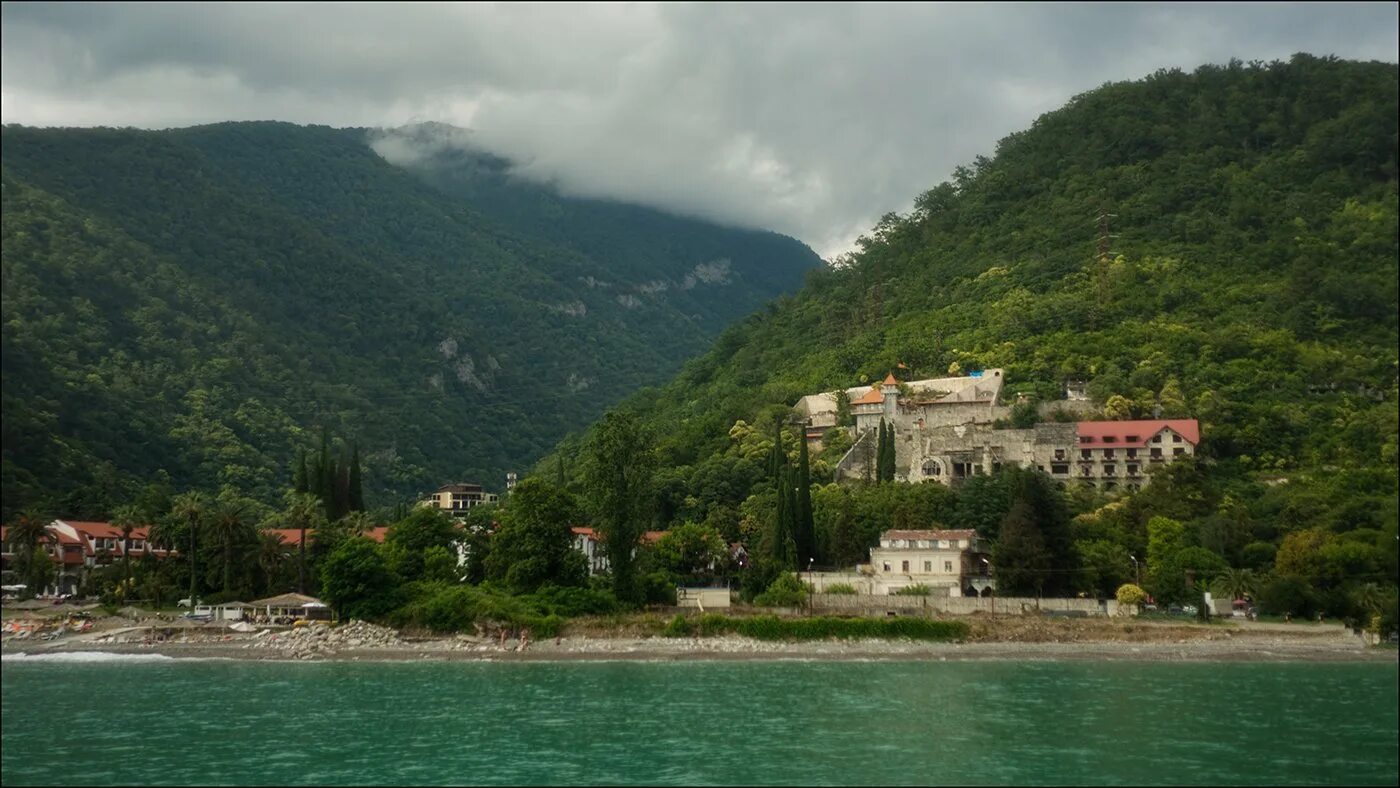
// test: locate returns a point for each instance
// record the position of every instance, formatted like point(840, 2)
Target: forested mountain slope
point(200, 301)
point(1251, 282)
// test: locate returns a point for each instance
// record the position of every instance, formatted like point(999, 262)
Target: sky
point(812, 120)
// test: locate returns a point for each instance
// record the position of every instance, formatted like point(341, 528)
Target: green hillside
point(1251, 282)
point(201, 301)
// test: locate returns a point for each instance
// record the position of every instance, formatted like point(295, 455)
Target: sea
point(105, 719)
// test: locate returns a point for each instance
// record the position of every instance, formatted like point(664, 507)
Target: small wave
point(85, 656)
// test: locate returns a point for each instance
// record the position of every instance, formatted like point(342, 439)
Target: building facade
point(458, 499)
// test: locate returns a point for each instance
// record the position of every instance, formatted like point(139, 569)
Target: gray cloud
point(811, 120)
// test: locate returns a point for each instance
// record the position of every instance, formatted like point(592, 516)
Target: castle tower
point(890, 390)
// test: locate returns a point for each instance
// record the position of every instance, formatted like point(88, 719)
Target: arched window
point(933, 468)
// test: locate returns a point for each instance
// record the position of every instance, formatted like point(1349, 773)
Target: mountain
point(1247, 216)
point(201, 302)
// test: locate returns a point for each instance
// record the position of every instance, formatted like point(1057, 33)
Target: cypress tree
point(357, 492)
point(805, 531)
point(299, 471)
point(560, 481)
point(889, 453)
point(881, 453)
point(325, 474)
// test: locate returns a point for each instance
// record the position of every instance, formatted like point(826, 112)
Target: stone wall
point(871, 604)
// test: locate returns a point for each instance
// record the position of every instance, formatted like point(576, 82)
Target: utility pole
point(1105, 253)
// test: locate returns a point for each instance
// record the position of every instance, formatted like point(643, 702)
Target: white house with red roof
point(590, 543)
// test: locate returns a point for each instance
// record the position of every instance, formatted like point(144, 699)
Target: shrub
point(1130, 594)
point(918, 589)
point(677, 627)
point(840, 588)
point(786, 591)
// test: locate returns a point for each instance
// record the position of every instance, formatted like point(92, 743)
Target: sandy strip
point(1261, 649)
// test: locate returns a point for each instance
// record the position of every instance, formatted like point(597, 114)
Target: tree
point(1022, 562)
point(1176, 578)
point(1106, 566)
point(617, 475)
point(271, 554)
point(1235, 583)
point(805, 531)
point(1129, 594)
point(690, 550)
point(534, 545)
point(190, 508)
point(1118, 408)
point(28, 531)
point(843, 409)
point(231, 532)
point(299, 481)
point(424, 528)
point(356, 580)
point(1172, 400)
point(304, 512)
point(356, 494)
point(125, 519)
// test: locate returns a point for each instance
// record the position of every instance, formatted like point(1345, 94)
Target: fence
point(869, 604)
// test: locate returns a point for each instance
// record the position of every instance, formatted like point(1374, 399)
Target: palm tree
point(126, 518)
point(357, 523)
point(190, 507)
point(303, 512)
point(271, 554)
point(1370, 598)
point(230, 531)
point(1235, 583)
point(29, 529)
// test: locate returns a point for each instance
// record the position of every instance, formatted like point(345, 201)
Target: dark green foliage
point(534, 545)
point(804, 535)
point(202, 300)
point(1023, 563)
point(785, 591)
point(357, 582)
point(424, 528)
point(617, 480)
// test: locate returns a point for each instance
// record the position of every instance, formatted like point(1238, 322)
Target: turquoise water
point(151, 721)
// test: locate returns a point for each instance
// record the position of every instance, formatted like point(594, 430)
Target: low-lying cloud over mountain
point(809, 120)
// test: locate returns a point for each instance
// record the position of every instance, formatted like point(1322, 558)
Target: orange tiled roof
point(871, 397)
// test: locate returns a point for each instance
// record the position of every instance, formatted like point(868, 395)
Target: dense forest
point(191, 307)
point(1220, 244)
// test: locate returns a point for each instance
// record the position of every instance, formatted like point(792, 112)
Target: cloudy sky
point(812, 120)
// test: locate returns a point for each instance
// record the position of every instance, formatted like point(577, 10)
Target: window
point(1132, 453)
point(1109, 469)
point(887, 566)
point(1110, 439)
point(904, 567)
point(947, 566)
point(1059, 467)
point(928, 566)
point(1157, 453)
point(1178, 452)
point(943, 543)
point(1085, 439)
point(1108, 454)
point(1156, 438)
point(1084, 454)
point(1132, 470)
point(1131, 439)
point(1059, 454)
point(1176, 438)
point(933, 468)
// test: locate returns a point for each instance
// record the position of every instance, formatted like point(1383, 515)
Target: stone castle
point(945, 432)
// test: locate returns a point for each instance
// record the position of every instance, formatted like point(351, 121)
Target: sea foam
point(85, 656)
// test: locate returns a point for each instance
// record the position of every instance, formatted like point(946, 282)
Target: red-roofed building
point(1120, 452)
point(292, 536)
point(590, 543)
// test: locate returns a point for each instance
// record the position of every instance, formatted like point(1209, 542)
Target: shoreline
point(732, 648)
